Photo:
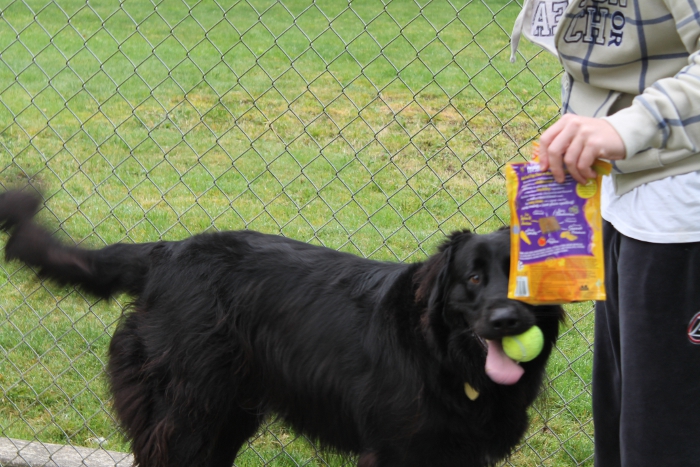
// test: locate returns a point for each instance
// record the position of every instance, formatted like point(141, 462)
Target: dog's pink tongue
point(499, 367)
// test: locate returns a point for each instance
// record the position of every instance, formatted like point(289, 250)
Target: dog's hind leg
point(170, 418)
point(239, 426)
point(190, 436)
point(206, 439)
point(137, 400)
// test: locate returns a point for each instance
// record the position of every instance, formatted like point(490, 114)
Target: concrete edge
point(18, 453)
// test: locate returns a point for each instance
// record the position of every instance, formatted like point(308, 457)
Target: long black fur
point(363, 356)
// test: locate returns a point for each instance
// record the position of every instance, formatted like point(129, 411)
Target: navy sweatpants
point(646, 365)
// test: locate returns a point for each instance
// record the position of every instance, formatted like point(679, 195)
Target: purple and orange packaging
point(556, 236)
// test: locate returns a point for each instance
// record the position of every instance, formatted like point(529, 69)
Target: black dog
point(385, 360)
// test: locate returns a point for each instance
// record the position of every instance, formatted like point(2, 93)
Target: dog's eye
point(475, 279)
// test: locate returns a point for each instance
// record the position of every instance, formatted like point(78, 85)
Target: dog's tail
point(104, 272)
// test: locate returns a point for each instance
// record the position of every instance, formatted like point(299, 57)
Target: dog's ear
point(456, 237)
point(432, 278)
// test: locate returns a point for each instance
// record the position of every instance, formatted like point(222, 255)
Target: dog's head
point(464, 288)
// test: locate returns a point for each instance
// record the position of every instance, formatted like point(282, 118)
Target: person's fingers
point(556, 166)
point(572, 156)
point(559, 147)
point(546, 140)
point(574, 143)
point(588, 157)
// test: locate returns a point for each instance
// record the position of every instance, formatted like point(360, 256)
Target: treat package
point(556, 236)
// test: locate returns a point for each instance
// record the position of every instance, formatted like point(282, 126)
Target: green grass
point(373, 128)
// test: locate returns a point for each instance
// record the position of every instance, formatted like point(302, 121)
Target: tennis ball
point(524, 347)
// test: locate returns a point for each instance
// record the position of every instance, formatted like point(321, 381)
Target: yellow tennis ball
point(524, 347)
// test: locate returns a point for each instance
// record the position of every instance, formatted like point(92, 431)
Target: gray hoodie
point(637, 64)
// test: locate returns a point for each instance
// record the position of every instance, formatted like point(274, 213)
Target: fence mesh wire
point(370, 126)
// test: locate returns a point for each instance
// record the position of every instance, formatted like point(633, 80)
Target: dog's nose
point(505, 320)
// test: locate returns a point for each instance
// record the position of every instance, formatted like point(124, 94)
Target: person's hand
point(577, 142)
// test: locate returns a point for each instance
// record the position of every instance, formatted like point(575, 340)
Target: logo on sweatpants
point(694, 329)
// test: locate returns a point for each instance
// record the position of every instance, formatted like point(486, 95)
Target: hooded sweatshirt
point(635, 63)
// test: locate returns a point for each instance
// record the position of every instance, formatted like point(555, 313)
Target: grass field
point(370, 127)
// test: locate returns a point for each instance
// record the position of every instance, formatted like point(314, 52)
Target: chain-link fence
point(370, 126)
